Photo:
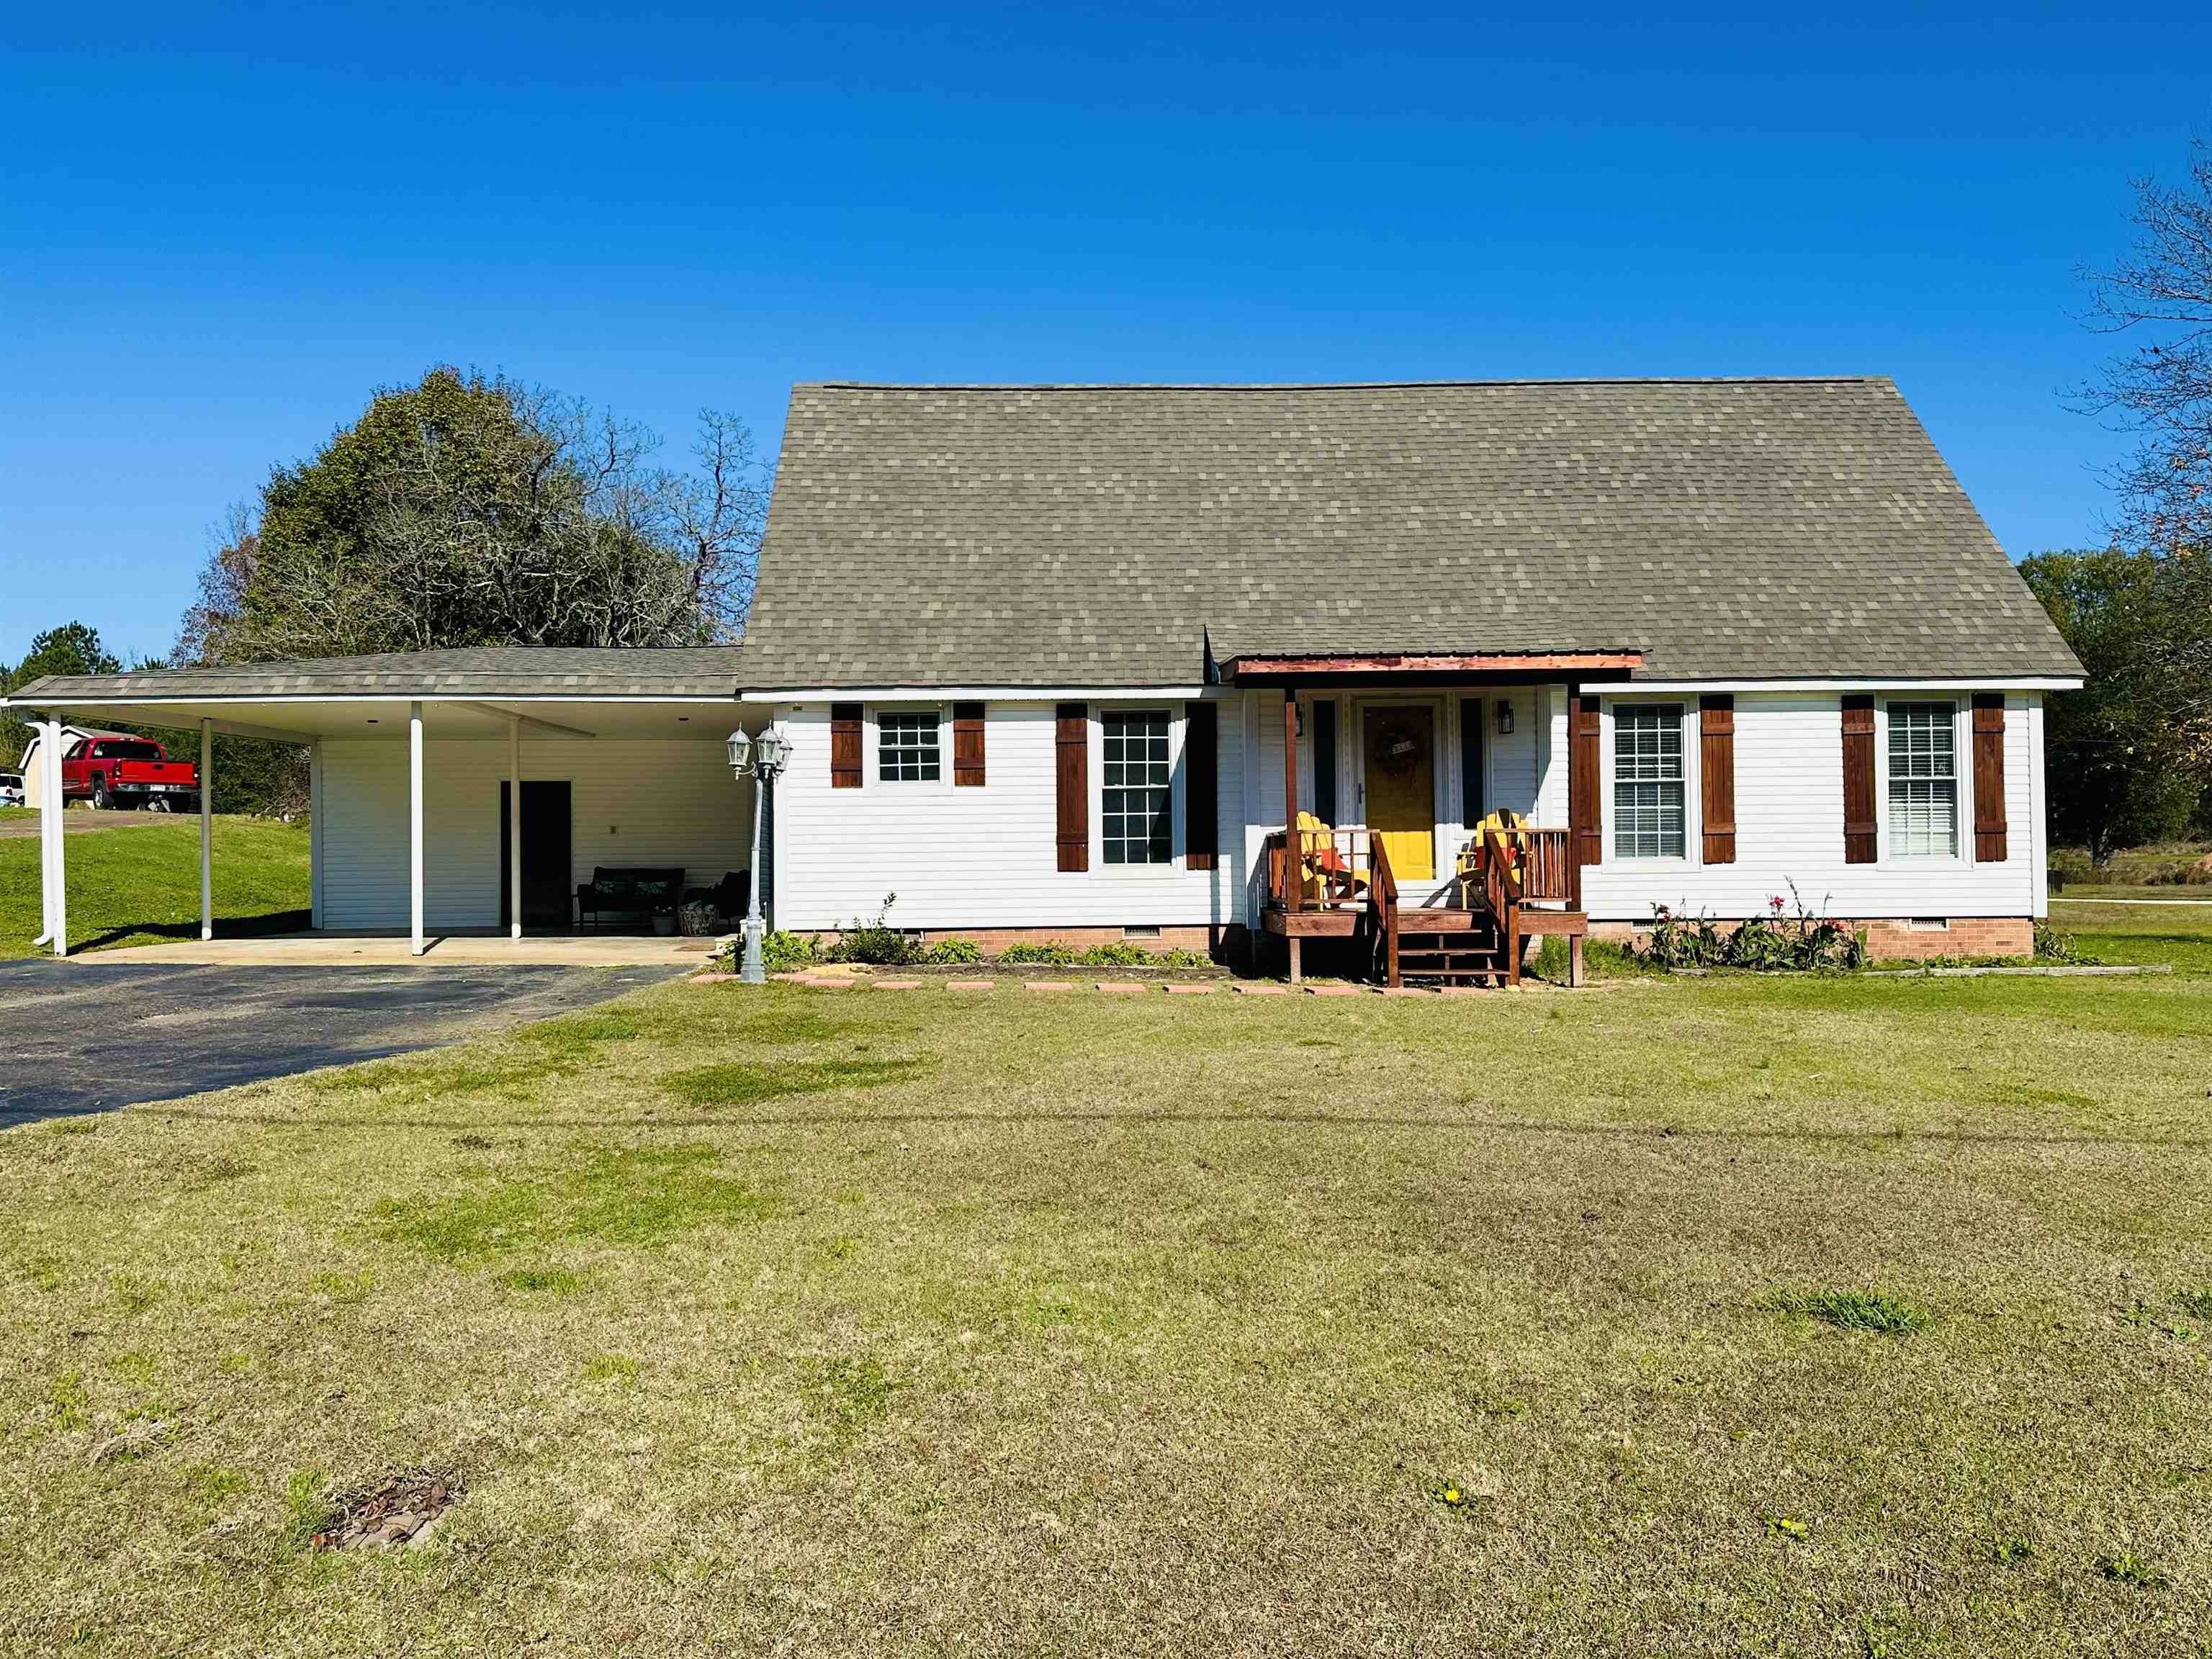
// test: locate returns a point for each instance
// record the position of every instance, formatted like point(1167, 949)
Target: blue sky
point(219, 233)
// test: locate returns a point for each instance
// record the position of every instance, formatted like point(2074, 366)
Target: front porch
point(1511, 886)
point(1445, 870)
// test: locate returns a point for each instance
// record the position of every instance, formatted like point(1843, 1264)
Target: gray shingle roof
point(1098, 535)
point(506, 670)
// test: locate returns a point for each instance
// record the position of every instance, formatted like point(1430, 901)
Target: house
point(1220, 665)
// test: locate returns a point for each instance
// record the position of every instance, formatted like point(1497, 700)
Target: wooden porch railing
point(1382, 888)
point(1515, 869)
point(1329, 870)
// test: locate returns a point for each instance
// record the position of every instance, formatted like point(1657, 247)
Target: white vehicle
point(11, 789)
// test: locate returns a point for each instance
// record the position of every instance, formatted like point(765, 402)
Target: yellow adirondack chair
point(1324, 872)
point(1513, 828)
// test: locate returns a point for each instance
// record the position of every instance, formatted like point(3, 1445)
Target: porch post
point(514, 826)
point(50, 747)
point(207, 829)
point(1292, 851)
point(1576, 805)
point(415, 828)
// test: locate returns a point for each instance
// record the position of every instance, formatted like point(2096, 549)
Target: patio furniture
point(1329, 875)
point(629, 893)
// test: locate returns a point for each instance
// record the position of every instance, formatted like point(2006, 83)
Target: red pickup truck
point(115, 769)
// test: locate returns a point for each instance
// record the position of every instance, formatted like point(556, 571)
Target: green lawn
point(1815, 1316)
point(2178, 934)
point(141, 884)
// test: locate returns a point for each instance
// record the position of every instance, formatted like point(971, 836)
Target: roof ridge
point(1339, 386)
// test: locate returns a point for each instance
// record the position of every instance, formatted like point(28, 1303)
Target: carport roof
point(507, 670)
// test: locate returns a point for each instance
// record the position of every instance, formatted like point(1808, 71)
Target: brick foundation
point(1892, 939)
point(1206, 941)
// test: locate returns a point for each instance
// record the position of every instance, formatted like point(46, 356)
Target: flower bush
point(1778, 942)
point(876, 942)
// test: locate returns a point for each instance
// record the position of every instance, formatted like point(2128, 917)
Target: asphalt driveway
point(82, 1037)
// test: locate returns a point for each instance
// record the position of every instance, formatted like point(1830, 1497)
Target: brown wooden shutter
point(1584, 779)
point(1201, 801)
point(1859, 814)
point(1716, 775)
point(1989, 778)
point(1074, 770)
point(844, 745)
point(967, 746)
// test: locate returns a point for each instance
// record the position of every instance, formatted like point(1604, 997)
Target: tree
point(2162, 291)
point(72, 648)
point(467, 511)
point(2126, 756)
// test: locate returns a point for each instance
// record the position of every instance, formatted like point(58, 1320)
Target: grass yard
point(141, 885)
point(1856, 1316)
point(2178, 934)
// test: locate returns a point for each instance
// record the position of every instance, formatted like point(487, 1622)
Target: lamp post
point(761, 757)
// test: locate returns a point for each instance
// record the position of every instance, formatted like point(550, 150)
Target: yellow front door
point(1401, 789)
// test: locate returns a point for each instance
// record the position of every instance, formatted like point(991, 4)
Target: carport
point(434, 775)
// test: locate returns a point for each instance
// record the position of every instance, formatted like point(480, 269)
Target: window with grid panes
point(1648, 816)
point(1923, 780)
point(1136, 801)
point(907, 746)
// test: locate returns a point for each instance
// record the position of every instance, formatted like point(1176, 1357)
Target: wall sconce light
point(1504, 719)
point(1298, 717)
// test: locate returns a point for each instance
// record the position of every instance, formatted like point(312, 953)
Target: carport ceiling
point(301, 720)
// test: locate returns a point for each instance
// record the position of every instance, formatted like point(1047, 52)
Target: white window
point(907, 746)
point(1136, 810)
point(1648, 819)
point(1923, 780)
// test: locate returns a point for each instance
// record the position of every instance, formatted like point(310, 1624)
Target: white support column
point(515, 827)
point(207, 829)
point(415, 828)
point(46, 822)
point(58, 880)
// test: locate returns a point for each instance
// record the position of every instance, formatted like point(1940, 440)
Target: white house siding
point(1789, 819)
point(631, 803)
point(976, 858)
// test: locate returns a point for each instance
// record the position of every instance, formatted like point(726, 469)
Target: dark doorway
point(548, 899)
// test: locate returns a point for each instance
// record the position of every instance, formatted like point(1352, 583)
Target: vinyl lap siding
point(631, 803)
point(1789, 809)
point(986, 857)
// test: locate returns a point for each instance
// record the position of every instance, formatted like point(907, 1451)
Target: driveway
point(82, 1037)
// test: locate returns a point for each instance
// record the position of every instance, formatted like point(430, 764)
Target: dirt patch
point(404, 1509)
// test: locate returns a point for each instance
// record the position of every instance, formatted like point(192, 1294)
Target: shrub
point(785, 953)
point(2051, 945)
point(1775, 942)
point(955, 952)
point(1180, 957)
point(1058, 956)
point(877, 942)
point(1122, 954)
